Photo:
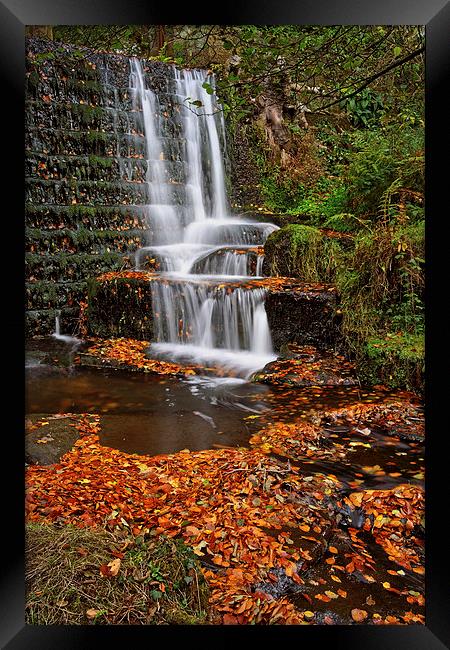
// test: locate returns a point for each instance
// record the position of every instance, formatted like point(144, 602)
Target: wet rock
point(329, 618)
point(305, 317)
point(120, 307)
point(282, 586)
point(46, 443)
point(307, 367)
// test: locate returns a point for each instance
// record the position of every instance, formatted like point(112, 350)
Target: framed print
point(233, 244)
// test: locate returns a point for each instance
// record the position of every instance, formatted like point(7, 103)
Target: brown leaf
point(114, 566)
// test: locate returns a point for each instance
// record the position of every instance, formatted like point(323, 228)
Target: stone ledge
point(120, 304)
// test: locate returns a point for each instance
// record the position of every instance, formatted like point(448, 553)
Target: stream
point(151, 415)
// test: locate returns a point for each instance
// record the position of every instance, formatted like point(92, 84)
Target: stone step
point(85, 168)
point(72, 116)
point(120, 304)
point(49, 295)
point(71, 267)
point(89, 217)
point(91, 70)
point(41, 322)
point(81, 240)
point(98, 93)
point(65, 192)
point(84, 142)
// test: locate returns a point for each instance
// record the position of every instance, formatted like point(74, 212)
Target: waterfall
point(199, 310)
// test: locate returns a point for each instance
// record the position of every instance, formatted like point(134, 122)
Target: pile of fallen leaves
point(132, 355)
point(287, 439)
point(400, 418)
point(394, 517)
point(221, 502)
point(256, 523)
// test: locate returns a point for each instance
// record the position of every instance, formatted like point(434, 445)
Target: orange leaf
point(359, 615)
point(228, 619)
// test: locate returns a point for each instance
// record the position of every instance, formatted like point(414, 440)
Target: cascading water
point(200, 311)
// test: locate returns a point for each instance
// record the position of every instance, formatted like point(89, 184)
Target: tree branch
point(368, 81)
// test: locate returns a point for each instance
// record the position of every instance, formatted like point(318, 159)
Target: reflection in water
point(150, 415)
point(147, 414)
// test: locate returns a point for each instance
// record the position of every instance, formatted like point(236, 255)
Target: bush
point(381, 158)
point(398, 360)
point(381, 289)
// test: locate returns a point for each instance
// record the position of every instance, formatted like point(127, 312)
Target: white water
point(63, 337)
point(199, 247)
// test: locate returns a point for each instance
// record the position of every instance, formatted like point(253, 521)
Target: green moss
point(303, 252)
point(101, 161)
point(96, 136)
point(397, 361)
point(88, 114)
point(85, 84)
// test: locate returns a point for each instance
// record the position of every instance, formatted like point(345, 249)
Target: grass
point(159, 581)
point(302, 251)
point(380, 282)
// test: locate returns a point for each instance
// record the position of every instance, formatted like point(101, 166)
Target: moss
point(395, 360)
point(101, 161)
point(85, 84)
point(96, 136)
point(88, 113)
point(302, 251)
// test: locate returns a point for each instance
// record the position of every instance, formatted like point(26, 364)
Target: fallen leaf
point(359, 615)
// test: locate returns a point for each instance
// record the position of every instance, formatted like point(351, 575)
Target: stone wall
point(85, 166)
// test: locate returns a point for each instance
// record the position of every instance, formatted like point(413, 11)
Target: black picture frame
point(435, 15)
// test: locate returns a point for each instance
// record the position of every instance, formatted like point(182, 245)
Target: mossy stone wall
point(85, 170)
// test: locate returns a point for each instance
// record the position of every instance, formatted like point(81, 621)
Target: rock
point(120, 305)
point(306, 315)
point(307, 367)
point(46, 443)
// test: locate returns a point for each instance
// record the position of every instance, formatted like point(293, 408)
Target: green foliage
point(381, 158)
point(302, 251)
point(287, 196)
point(345, 222)
point(365, 109)
point(397, 360)
point(383, 279)
point(380, 278)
